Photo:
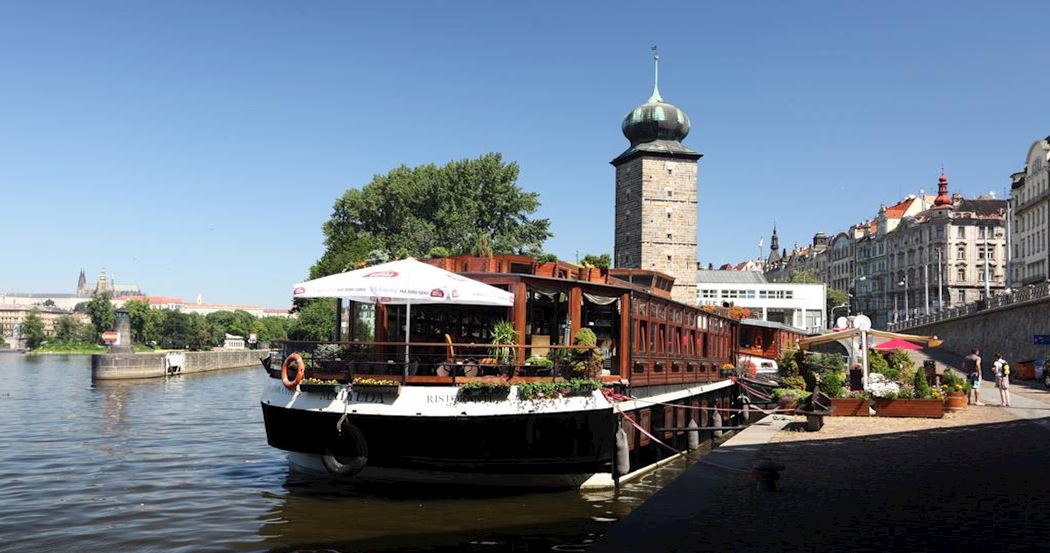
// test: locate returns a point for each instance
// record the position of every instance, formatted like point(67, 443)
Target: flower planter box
point(920, 408)
point(849, 407)
point(955, 401)
point(369, 389)
point(320, 388)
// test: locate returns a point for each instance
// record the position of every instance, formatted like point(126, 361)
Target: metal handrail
point(1020, 295)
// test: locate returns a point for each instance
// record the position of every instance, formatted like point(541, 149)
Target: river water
point(182, 464)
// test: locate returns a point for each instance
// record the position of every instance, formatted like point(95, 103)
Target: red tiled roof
point(897, 210)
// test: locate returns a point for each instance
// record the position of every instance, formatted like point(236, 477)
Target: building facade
point(656, 196)
point(913, 263)
point(1030, 208)
point(797, 305)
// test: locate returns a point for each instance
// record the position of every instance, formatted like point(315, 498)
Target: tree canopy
point(32, 329)
point(463, 206)
point(102, 312)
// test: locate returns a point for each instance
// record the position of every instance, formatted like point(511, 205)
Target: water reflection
point(182, 464)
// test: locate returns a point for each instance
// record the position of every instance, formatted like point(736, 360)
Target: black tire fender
point(349, 438)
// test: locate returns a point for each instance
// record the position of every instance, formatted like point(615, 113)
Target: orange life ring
point(300, 371)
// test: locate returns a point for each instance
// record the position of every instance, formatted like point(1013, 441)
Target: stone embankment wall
point(112, 366)
point(1006, 329)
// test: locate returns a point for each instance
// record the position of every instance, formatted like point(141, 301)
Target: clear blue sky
point(196, 147)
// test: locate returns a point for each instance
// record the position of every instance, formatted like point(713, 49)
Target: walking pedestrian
point(972, 368)
point(1002, 379)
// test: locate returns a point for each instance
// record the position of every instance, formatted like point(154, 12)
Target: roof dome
point(655, 120)
point(656, 128)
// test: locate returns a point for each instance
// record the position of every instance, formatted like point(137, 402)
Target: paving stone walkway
point(975, 480)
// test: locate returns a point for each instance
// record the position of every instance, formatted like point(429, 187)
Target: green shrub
point(787, 365)
point(539, 362)
point(483, 391)
point(922, 388)
point(832, 382)
point(551, 390)
point(546, 258)
point(780, 393)
point(796, 382)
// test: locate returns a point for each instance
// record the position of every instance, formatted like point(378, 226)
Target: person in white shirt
point(1002, 379)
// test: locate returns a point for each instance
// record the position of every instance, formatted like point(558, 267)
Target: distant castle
point(104, 284)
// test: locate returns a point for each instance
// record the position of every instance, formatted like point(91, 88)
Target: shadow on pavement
point(961, 488)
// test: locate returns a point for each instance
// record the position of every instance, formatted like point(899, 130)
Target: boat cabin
point(645, 338)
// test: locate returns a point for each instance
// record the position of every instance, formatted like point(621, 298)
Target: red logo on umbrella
point(298, 290)
point(382, 274)
point(437, 293)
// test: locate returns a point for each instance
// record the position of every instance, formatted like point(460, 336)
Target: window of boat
point(641, 336)
point(601, 314)
point(546, 317)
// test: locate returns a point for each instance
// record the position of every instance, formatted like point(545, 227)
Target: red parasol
point(897, 344)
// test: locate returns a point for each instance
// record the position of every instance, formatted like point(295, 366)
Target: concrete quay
point(974, 480)
point(118, 366)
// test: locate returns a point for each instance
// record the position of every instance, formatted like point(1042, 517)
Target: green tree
point(269, 329)
point(603, 261)
point(316, 321)
point(49, 303)
point(804, 277)
point(102, 312)
point(411, 210)
point(139, 317)
point(32, 329)
point(66, 329)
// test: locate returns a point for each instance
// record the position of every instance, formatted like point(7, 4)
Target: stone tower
point(656, 195)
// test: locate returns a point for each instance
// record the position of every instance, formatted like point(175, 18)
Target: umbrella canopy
point(405, 281)
point(897, 344)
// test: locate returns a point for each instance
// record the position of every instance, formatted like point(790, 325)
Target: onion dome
point(655, 120)
point(656, 127)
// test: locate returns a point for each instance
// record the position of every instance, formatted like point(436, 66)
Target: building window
point(961, 272)
point(962, 232)
point(960, 253)
point(962, 297)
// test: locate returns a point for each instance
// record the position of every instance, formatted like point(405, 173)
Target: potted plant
point(546, 265)
point(531, 391)
point(319, 386)
point(902, 400)
point(376, 385)
point(587, 358)
point(788, 398)
point(850, 404)
point(483, 391)
point(956, 390)
point(504, 338)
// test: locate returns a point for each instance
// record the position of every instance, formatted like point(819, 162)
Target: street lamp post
point(904, 283)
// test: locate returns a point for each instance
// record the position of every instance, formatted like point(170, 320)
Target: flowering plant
point(881, 387)
point(375, 382)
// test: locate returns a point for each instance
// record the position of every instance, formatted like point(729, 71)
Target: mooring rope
point(661, 442)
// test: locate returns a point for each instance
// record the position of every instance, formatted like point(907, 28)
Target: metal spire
point(656, 77)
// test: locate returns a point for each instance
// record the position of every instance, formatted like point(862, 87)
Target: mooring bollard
point(716, 421)
point(766, 474)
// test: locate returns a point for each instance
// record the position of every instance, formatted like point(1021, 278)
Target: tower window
point(669, 234)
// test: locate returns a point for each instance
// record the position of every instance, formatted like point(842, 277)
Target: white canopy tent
point(404, 282)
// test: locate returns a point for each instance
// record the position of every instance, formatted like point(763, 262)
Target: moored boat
point(584, 377)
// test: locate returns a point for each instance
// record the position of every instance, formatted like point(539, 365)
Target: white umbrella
point(404, 282)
